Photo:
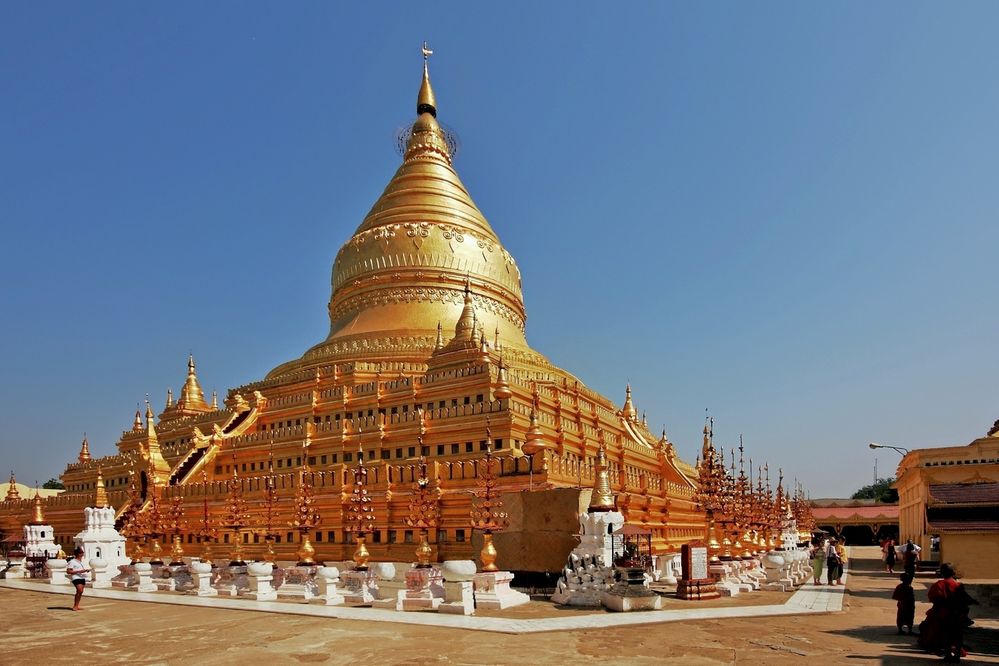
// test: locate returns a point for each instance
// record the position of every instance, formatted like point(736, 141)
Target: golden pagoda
point(12, 493)
point(407, 370)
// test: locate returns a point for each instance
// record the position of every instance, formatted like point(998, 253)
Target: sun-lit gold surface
point(37, 515)
point(486, 515)
point(424, 510)
point(12, 492)
point(602, 498)
point(413, 292)
point(100, 492)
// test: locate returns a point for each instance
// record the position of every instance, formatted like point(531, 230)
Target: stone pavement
point(37, 628)
point(808, 599)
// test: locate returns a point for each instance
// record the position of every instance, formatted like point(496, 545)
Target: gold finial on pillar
point(12, 493)
point(169, 402)
point(137, 421)
point(84, 450)
point(100, 494)
point(359, 516)
point(485, 514)
point(425, 101)
point(215, 398)
point(424, 511)
point(602, 498)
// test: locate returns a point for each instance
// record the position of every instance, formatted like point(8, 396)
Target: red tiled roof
point(883, 511)
point(965, 493)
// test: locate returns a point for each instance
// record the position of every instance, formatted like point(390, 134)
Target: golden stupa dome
point(406, 267)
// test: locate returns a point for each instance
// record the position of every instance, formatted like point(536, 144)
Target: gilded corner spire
point(12, 493)
point(84, 450)
point(602, 498)
point(439, 344)
point(137, 422)
point(425, 101)
point(100, 494)
point(629, 412)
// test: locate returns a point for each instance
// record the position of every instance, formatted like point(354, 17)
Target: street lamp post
point(901, 450)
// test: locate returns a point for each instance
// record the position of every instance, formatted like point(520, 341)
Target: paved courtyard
point(39, 626)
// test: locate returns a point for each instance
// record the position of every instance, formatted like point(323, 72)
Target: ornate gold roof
point(406, 267)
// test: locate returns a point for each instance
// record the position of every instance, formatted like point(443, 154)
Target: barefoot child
point(906, 598)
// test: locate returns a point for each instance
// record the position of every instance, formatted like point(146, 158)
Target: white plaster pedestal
point(328, 578)
point(232, 580)
point(100, 577)
point(16, 568)
point(391, 584)
point(144, 571)
point(631, 593)
point(202, 574)
point(424, 589)
point(260, 577)
point(57, 572)
point(459, 598)
point(297, 582)
point(493, 591)
point(360, 586)
point(126, 578)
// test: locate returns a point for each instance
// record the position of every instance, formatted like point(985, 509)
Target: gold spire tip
point(425, 101)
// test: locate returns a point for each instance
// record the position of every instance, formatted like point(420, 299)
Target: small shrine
point(99, 538)
point(38, 534)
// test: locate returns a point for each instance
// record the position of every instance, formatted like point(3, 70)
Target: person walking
point(906, 598)
point(910, 556)
point(841, 559)
point(818, 556)
point(832, 563)
point(890, 556)
point(76, 570)
point(942, 632)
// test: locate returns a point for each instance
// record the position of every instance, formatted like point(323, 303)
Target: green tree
point(880, 491)
point(54, 484)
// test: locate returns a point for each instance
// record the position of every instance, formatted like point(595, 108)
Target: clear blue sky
point(786, 213)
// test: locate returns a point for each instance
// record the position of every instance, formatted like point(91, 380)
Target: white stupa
point(38, 535)
point(99, 539)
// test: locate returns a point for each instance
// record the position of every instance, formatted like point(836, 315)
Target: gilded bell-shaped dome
point(406, 267)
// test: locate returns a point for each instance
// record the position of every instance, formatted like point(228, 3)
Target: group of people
point(942, 631)
point(830, 554)
point(909, 554)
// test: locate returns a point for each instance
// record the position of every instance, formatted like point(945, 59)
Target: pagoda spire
point(439, 344)
point(100, 494)
point(425, 100)
point(191, 396)
point(37, 516)
point(169, 402)
point(465, 328)
point(12, 493)
point(84, 450)
point(602, 498)
point(137, 422)
point(628, 411)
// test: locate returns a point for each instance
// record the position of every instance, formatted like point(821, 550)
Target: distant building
point(859, 522)
point(952, 493)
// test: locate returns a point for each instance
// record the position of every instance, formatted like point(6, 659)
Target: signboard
point(694, 561)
